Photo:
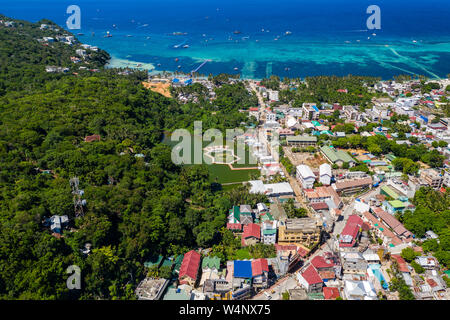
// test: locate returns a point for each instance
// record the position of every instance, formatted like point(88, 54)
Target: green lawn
point(221, 173)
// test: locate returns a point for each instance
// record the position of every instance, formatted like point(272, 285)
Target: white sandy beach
point(124, 63)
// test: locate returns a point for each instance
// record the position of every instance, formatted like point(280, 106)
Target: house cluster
point(56, 224)
point(8, 24)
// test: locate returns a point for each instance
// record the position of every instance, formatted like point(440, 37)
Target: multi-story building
point(352, 186)
point(325, 174)
point(269, 232)
point(300, 231)
point(305, 176)
point(353, 262)
point(310, 111)
point(432, 178)
point(351, 113)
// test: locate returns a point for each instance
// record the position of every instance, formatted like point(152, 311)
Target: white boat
point(186, 46)
point(288, 33)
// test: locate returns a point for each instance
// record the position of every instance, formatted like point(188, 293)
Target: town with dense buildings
point(335, 204)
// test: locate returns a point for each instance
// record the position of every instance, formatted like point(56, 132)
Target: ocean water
point(326, 37)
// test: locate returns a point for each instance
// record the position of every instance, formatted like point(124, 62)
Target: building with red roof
point(94, 137)
point(251, 234)
point(310, 279)
point(330, 293)
point(234, 226)
point(260, 272)
point(349, 236)
point(321, 264)
point(402, 265)
point(259, 266)
point(189, 268)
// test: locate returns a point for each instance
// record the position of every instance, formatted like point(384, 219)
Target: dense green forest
point(136, 206)
point(324, 89)
point(432, 213)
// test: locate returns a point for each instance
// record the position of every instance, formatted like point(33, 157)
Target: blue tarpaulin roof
point(175, 80)
point(242, 269)
point(315, 108)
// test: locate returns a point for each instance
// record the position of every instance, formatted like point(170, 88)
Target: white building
point(272, 95)
point(269, 232)
point(305, 176)
point(359, 290)
point(325, 174)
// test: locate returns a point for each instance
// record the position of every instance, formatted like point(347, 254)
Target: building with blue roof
point(243, 269)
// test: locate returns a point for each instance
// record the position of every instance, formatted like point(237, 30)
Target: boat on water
point(179, 67)
point(139, 65)
point(179, 33)
point(80, 34)
point(186, 46)
point(374, 34)
point(129, 35)
point(237, 32)
point(288, 33)
point(236, 69)
point(414, 41)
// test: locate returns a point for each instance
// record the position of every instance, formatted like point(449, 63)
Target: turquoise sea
point(284, 37)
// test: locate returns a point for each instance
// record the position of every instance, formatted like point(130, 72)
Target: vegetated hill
point(24, 55)
point(136, 206)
